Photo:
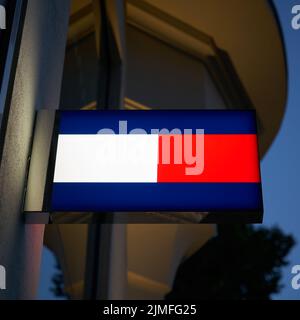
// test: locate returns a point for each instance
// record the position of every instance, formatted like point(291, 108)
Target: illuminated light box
point(191, 161)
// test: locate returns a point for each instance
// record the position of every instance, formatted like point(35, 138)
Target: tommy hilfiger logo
point(2, 18)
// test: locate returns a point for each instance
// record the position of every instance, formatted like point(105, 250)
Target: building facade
point(134, 54)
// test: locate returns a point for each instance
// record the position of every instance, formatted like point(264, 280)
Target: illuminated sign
point(192, 161)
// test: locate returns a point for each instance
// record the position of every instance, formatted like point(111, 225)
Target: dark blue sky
point(280, 168)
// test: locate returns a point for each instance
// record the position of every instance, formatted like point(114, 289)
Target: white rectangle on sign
point(106, 158)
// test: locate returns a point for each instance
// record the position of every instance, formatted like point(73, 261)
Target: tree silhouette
point(58, 283)
point(242, 262)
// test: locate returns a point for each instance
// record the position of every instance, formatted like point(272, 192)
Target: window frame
point(181, 36)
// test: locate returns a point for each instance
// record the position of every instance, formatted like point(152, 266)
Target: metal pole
point(110, 39)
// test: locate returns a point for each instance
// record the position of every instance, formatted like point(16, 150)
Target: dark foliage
point(242, 262)
point(58, 283)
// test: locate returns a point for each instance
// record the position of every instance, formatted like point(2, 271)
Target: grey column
point(37, 85)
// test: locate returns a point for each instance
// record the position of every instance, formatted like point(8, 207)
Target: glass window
point(181, 81)
point(79, 85)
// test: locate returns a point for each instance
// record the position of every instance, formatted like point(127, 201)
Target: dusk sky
point(281, 166)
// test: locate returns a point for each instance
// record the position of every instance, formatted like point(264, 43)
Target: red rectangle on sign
point(227, 158)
